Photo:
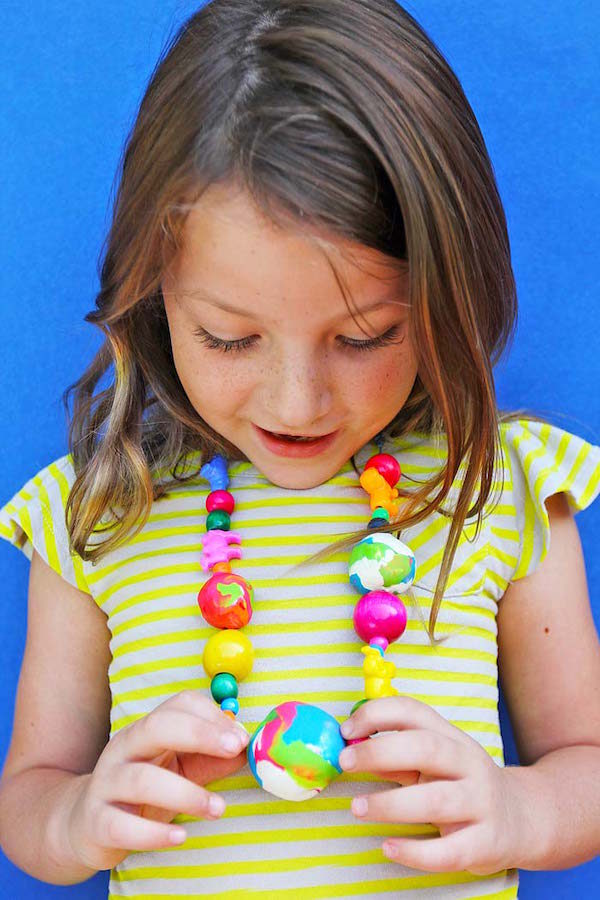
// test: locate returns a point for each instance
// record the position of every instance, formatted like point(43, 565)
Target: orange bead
point(222, 567)
point(230, 713)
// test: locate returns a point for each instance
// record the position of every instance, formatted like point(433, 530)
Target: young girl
point(288, 157)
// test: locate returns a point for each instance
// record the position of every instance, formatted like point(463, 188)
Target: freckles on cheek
point(209, 382)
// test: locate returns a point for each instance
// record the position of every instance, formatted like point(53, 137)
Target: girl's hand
point(449, 781)
point(150, 772)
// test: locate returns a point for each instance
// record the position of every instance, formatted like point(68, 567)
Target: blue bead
point(377, 523)
point(215, 471)
point(232, 704)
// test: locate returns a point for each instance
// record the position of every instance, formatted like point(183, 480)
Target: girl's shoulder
point(540, 459)
point(535, 460)
point(34, 518)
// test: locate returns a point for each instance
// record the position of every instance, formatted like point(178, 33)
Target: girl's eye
point(383, 340)
point(224, 346)
point(216, 343)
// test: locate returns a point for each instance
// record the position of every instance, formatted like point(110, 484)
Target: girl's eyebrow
point(206, 297)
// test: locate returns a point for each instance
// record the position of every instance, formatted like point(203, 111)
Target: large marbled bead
point(381, 562)
point(294, 753)
point(225, 600)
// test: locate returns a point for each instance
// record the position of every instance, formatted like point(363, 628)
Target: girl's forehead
point(232, 249)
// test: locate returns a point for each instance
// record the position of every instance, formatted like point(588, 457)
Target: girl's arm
point(549, 661)
point(61, 725)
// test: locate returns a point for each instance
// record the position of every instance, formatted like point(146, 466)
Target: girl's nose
point(300, 395)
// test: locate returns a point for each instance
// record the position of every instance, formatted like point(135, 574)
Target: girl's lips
point(297, 449)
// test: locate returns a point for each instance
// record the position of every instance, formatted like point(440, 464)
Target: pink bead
point(387, 466)
point(220, 500)
point(380, 642)
point(225, 600)
point(217, 547)
point(379, 614)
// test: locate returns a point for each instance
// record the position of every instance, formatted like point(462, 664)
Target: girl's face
point(262, 337)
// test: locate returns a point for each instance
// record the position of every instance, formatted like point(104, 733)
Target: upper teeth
point(294, 437)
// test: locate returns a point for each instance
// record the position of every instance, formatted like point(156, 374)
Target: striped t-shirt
point(306, 648)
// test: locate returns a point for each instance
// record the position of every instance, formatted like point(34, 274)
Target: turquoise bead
point(223, 686)
point(218, 518)
point(232, 704)
point(381, 513)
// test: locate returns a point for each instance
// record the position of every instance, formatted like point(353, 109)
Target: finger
point(127, 831)
point(201, 704)
point(399, 713)
point(145, 783)
point(424, 751)
point(451, 853)
point(437, 802)
point(167, 728)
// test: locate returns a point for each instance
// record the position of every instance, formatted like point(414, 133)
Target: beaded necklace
point(294, 752)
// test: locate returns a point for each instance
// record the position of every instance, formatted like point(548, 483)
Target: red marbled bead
point(387, 466)
point(220, 500)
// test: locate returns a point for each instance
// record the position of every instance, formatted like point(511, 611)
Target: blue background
point(74, 74)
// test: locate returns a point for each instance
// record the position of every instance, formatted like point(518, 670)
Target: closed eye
point(215, 343)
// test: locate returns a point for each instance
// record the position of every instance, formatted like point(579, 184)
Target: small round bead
point(228, 651)
point(230, 713)
point(220, 500)
point(380, 642)
point(222, 566)
point(387, 466)
point(377, 523)
point(381, 513)
point(218, 518)
point(232, 704)
point(223, 686)
point(358, 703)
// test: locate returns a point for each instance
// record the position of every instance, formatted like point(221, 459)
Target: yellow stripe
point(49, 539)
point(203, 683)
point(553, 466)
point(374, 887)
point(267, 866)
point(175, 613)
point(581, 457)
point(442, 701)
point(203, 633)
point(65, 488)
point(529, 513)
point(177, 549)
point(591, 489)
point(267, 653)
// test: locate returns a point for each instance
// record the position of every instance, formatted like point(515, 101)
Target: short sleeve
point(35, 519)
point(544, 460)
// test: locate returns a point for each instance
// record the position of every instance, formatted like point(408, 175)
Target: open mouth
point(293, 437)
point(294, 445)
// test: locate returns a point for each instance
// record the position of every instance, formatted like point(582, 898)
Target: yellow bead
point(230, 651)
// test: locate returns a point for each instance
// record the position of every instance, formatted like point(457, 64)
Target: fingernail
point(347, 758)
point(216, 805)
point(347, 728)
point(244, 736)
point(231, 742)
point(359, 806)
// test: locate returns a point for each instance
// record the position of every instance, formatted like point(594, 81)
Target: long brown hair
point(267, 93)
